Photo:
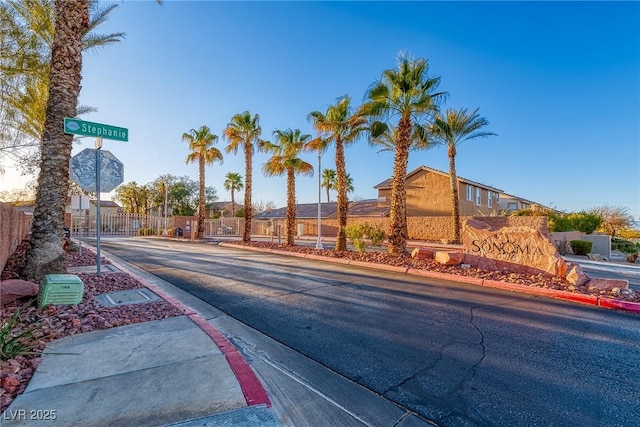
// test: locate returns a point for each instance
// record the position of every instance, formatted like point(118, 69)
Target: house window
point(478, 197)
point(489, 202)
point(512, 206)
point(469, 193)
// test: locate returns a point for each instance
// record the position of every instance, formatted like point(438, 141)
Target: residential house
point(222, 209)
point(106, 207)
point(429, 194)
point(303, 211)
point(509, 203)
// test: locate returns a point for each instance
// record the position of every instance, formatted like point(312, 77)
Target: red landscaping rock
point(423, 253)
point(576, 276)
point(607, 284)
point(448, 258)
point(13, 289)
point(520, 246)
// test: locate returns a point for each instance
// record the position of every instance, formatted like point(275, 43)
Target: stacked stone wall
point(14, 227)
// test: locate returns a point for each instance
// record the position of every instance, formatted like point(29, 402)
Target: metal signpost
point(89, 178)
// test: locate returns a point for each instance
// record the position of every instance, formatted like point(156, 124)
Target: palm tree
point(200, 142)
point(329, 181)
point(26, 66)
point(343, 127)
point(232, 183)
point(406, 92)
point(350, 187)
point(245, 130)
point(45, 254)
point(454, 128)
point(285, 161)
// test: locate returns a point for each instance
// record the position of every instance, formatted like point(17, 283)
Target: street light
point(319, 243)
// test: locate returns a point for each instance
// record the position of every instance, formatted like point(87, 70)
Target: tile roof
point(367, 207)
point(303, 211)
point(106, 204)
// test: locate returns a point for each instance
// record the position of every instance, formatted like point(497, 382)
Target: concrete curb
point(630, 307)
point(252, 389)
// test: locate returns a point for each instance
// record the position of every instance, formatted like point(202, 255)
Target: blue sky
point(558, 82)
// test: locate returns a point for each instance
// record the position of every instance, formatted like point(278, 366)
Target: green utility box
point(60, 289)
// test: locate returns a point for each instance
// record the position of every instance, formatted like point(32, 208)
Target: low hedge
point(581, 247)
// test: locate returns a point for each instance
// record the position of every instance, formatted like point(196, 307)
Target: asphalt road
point(455, 354)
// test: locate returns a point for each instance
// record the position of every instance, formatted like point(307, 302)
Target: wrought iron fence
point(121, 225)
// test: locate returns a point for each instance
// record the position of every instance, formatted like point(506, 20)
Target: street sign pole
point(98, 215)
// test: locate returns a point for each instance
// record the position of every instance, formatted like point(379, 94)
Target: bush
point(375, 234)
point(14, 339)
point(585, 222)
point(581, 247)
point(356, 233)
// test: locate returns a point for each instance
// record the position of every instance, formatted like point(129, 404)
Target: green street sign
point(80, 127)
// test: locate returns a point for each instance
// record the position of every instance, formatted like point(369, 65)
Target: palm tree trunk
point(200, 233)
point(398, 213)
point(233, 203)
point(45, 254)
point(291, 206)
point(455, 201)
point(328, 195)
point(248, 211)
point(341, 173)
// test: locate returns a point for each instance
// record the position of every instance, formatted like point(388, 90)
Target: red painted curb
point(253, 391)
point(251, 387)
point(633, 307)
point(551, 293)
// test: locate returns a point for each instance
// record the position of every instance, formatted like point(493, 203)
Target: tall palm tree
point(45, 254)
point(244, 129)
point(200, 143)
point(285, 161)
point(409, 94)
point(232, 183)
point(26, 65)
point(341, 126)
point(329, 181)
point(454, 128)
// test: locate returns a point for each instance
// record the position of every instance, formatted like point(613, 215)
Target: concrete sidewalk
point(179, 371)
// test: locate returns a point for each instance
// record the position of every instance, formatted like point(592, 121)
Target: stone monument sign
point(519, 249)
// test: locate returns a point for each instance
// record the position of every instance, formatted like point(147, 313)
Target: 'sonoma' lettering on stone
point(504, 249)
point(523, 250)
point(517, 249)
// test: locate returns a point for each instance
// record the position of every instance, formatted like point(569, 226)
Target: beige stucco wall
point(429, 194)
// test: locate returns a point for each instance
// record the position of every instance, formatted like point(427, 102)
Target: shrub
point(581, 247)
point(140, 232)
point(15, 340)
point(375, 234)
point(355, 233)
point(557, 223)
point(585, 222)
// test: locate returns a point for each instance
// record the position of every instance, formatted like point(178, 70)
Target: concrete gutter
point(610, 303)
